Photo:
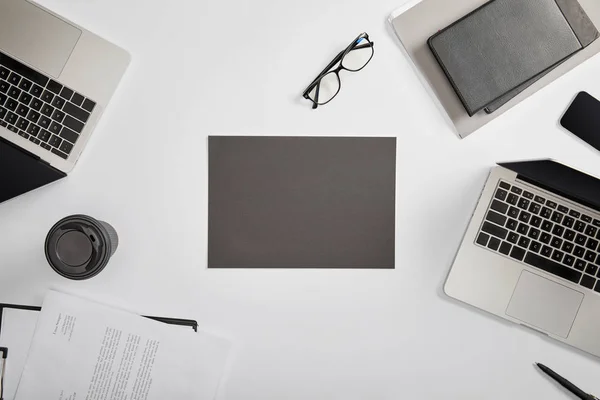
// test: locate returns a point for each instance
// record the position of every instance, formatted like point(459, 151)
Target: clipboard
point(171, 321)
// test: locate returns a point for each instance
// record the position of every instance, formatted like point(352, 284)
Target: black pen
point(4, 354)
point(566, 384)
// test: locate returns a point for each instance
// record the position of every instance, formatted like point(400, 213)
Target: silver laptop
point(531, 253)
point(56, 78)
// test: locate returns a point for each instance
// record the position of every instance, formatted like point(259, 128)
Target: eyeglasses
point(328, 84)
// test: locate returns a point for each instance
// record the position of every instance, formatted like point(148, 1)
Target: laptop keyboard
point(544, 234)
point(40, 109)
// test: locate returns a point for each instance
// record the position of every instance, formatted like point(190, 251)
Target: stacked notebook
point(497, 51)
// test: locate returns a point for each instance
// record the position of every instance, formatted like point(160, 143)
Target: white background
point(239, 67)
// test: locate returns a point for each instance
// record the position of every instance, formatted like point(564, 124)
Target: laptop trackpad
point(35, 36)
point(544, 304)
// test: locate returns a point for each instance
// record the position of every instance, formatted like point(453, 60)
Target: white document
point(82, 350)
point(17, 331)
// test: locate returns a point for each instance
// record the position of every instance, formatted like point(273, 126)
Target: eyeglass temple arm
point(316, 100)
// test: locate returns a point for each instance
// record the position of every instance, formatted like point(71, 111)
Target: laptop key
point(483, 238)
point(77, 99)
point(536, 221)
point(567, 247)
point(569, 260)
point(4, 86)
point(487, 227)
point(44, 135)
point(545, 238)
point(512, 224)
point(516, 190)
point(45, 146)
point(579, 226)
point(505, 248)
point(54, 86)
point(517, 253)
point(22, 110)
point(579, 251)
point(88, 105)
point(11, 118)
point(557, 255)
point(36, 104)
point(14, 79)
point(524, 242)
point(44, 122)
point(66, 93)
point(12, 128)
point(557, 217)
point(499, 206)
point(551, 204)
point(36, 90)
point(66, 148)
point(535, 208)
point(563, 209)
point(47, 96)
point(493, 244)
point(3, 112)
point(592, 269)
point(535, 246)
point(4, 72)
point(522, 229)
point(58, 102)
point(528, 195)
point(586, 218)
point(568, 222)
point(523, 203)
point(546, 251)
point(558, 230)
point(3, 99)
point(25, 98)
point(491, 215)
point(60, 153)
point(534, 233)
point(556, 242)
point(588, 282)
point(512, 199)
point(569, 235)
point(33, 116)
point(33, 130)
point(14, 92)
point(25, 84)
point(547, 226)
point(22, 123)
point(552, 267)
point(34, 140)
point(72, 137)
point(83, 115)
point(592, 244)
point(72, 123)
point(54, 127)
point(539, 199)
point(24, 135)
point(590, 256)
point(513, 212)
point(524, 216)
point(580, 239)
point(596, 223)
point(591, 230)
point(546, 212)
point(55, 141)
point(58, 116)
point(513, 238)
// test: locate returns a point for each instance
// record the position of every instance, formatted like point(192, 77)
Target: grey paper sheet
point(301, 202)
point(501, 45)
point(418, 20)
point(584, 29)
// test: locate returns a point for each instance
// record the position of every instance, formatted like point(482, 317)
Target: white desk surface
point(239, 67)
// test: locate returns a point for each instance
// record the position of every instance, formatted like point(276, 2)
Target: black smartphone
point(583, 119)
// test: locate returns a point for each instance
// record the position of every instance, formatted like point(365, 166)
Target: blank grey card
point(301, 202)
point(500, 46)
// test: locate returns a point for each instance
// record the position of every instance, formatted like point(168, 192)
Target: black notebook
point(501, 46)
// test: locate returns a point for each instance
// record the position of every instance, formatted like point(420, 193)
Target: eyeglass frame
point(328, 69)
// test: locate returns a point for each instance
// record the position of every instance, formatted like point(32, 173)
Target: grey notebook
point(301, 202)
point(500, 46)
point(584, 29)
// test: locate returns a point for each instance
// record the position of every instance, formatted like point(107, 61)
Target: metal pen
point(566, 384)
point(4, 354)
